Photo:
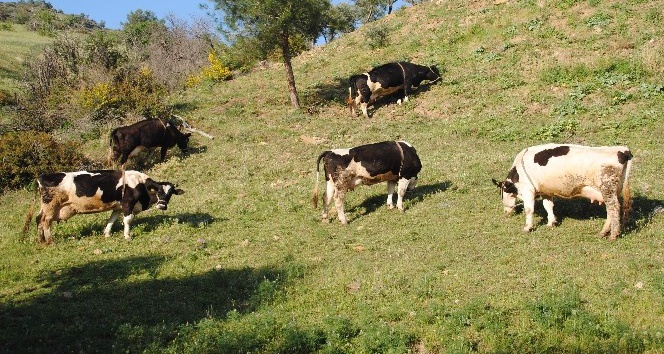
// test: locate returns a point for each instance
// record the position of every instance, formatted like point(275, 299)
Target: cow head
point(508, 192)
point(433, 74)
point(411, 184)
point(183, 142)
point(161, 193)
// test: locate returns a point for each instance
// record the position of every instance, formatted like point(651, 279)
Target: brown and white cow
point(66, 194)
point(128, 141)
point(394, 162)
point(365, 89)
point(567, 171)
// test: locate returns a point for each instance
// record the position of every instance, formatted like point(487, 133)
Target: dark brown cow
point(365, 89)
point(389, 161)
point(130, 140)
point(66, 194)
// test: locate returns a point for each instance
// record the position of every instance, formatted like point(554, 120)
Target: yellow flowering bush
point(215, 72)
point(98, 97)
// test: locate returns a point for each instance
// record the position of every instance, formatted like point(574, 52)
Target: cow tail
point(627, 198)
point(315, 196)
point(31, 210)
point(352, 87)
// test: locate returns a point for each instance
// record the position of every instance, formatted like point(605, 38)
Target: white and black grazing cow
point(567, 171)
point(66, 194)
point(365, 89)
point(130, 140)
point(389, 161)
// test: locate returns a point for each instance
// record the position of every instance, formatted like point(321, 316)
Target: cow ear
point(178, 192)
point(187, 135)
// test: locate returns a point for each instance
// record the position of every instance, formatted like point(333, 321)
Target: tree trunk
point(285, 48)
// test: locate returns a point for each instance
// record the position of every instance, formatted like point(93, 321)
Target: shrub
point(26, 155)
point(214, 72)
point(377, 37)
point(130, 91)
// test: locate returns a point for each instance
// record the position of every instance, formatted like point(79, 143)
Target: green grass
point(16, 45)
point(241, 262)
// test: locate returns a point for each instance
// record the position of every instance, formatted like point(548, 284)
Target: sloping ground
point(241, 263)
point(15, 45)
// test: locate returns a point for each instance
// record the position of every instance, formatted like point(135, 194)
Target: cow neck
point(401, 153)
point(523, 166)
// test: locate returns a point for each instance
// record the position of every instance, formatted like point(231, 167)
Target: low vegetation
point(241, 262)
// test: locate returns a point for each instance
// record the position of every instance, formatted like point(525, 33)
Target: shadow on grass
point(413, 197)
point(145, 222)
point(150, 157)
point(101, 307)
point(337, 92)
point(643, 210)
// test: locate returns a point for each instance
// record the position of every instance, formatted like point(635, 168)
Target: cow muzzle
point(161, 205)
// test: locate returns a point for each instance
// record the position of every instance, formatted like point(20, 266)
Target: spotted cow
point(568, 171)
point(365, 89)
point(394, 162)
point(66, 194)
point(130, 140)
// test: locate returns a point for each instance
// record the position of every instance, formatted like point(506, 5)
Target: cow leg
point(363, 105)
point(40, 227)
point(529, 210)
point(164, 149)
point(111, 220)
point(612, 217)
point(401, 192)
point(44, 221)
point(548, 206)
point(339, 205)
point(610, 184)
point(127, 222)
point(327, 199)
point(390, 190)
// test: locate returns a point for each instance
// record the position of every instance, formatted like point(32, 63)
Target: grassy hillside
point(241, 262)
point(15, 45)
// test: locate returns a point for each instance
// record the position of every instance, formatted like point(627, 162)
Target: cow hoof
point(527, 229)
point(325, 220)
point(390, 206)
point(553, 224)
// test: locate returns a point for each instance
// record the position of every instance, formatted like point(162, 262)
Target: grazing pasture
point(241, 262)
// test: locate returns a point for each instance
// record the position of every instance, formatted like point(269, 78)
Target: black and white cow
point(365, 89)
point(394, 162)
point(130, 140)
point(567, 171)
point(66, 194)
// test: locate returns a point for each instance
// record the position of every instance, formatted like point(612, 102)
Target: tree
point(139, 28)
point(339, 19)
point(275, 25)
point(371, 10)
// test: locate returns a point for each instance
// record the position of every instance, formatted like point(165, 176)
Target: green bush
point(377, 37)
point(25, 155)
